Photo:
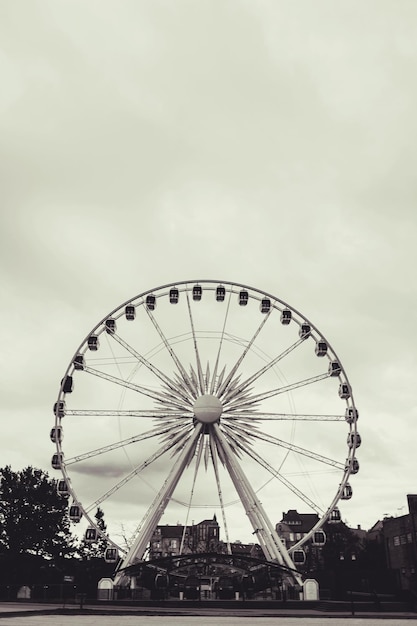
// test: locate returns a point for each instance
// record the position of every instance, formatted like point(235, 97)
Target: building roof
point(209, 522)
point(299, 522)
point(171, 531)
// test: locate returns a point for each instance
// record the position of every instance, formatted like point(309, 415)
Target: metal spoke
point(197, 355)
point(274, 392)
point(157, 372)
point(276, 474)
point(258, 416)
point(216, 366)
point(244, 385)
point(145, 413)
point(155, 432)
point(159, 397)
point(293, 448)
point(187, 380)
point(135, 472)
point(229, 378)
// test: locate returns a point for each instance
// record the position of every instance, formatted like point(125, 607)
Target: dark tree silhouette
point(33, 516)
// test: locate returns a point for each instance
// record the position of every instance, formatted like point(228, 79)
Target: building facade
point(170, 540)
point(400, 541)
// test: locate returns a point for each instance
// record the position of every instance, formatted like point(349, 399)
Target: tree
point(33, 516)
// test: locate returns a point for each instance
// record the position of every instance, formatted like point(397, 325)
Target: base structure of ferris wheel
point(212, 397)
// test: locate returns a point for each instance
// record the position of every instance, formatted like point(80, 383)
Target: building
point(168, 539)
point(294, 526)
point(400, 541)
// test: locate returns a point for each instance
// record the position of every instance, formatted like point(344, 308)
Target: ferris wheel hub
point(207, 408)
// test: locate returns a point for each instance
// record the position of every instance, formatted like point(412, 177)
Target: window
point(396, 541)
point(409, 538)
point(403, 540)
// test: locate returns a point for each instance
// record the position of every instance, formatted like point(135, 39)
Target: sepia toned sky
point(267, 142)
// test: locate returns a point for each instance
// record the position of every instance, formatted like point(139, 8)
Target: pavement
point(182, 613)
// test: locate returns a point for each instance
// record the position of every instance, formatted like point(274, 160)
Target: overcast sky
point(271, 143)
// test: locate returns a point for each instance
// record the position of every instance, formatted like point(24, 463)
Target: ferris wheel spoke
point(241, 403)
point(155, 432)
point(137, 470)
point(249, 381)
point(288, 446)
point(170, 384)
point(214, 379)
point(258, 416)
point(224, 387)
point(171, 414)
point(186, 378)
point(276, 474)
point(201, 383)
point(163, 398)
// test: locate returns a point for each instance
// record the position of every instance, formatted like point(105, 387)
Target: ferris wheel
point(204, 395)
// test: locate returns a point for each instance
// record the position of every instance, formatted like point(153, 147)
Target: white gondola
point(56, 434)
point(335, 516)
point(346, 493)
point(150, 302)
point(93, 343)
point(79, 362)
point(299, 557)
point(321, 348)
point(67, 384)
point(59, 408)
point(344, 391)
point(354, 440)
point(57, 460)
point(110, 325)
point(174, 295)
point(351, 414)
point(319, 538)
point(353, 465)
point(75, 513)
point(130, 312)
point(334, 368)
point(304, 331)
point(220, 293)
point(197, 292)
point(286, 316)
point(91, 535)
point(265, 305)
point(243, 297)
point(111, 555)
point(62, 487)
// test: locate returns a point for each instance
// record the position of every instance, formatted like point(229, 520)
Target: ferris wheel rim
point(187, 286)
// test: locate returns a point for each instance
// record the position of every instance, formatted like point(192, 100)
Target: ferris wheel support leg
point(158, 506)
point(270, 542)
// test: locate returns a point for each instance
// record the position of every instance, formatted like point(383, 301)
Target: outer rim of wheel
point(187, 285)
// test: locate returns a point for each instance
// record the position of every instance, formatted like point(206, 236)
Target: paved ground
point(31, 614)
point(146, 620)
